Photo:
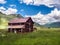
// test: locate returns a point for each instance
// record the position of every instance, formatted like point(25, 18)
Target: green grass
point(41, 37)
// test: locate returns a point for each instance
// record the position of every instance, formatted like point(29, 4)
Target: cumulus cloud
point(2, 1)
point(54, 16)
point(2, 8)
point(8, 11)
point(57, 6)
point(13, 5)
point(39, 2)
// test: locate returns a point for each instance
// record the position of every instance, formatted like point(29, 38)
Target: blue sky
point(24, 9)
point(41, 11)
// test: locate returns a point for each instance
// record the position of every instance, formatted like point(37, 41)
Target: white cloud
point(2, 1)
point(8, 11)
point(57, 6)
point(48, 18)
point(26, 1)
point(12, 5)
point(39, 2)
point(2, 8)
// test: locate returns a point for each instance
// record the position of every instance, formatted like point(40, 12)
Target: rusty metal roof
point(17, 26)
point(19, 20)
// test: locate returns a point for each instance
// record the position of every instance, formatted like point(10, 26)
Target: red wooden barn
point(20, 25)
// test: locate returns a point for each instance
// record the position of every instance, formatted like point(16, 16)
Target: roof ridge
point(19, 20)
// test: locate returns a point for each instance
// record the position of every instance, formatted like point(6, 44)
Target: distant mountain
point(36, 24)
point(53, 25)
point(8, 17)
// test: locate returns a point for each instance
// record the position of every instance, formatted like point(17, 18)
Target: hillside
point(8, 17)
point(36, 24)
point(4, 19)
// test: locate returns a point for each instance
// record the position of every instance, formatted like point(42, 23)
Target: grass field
point(42, 36)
